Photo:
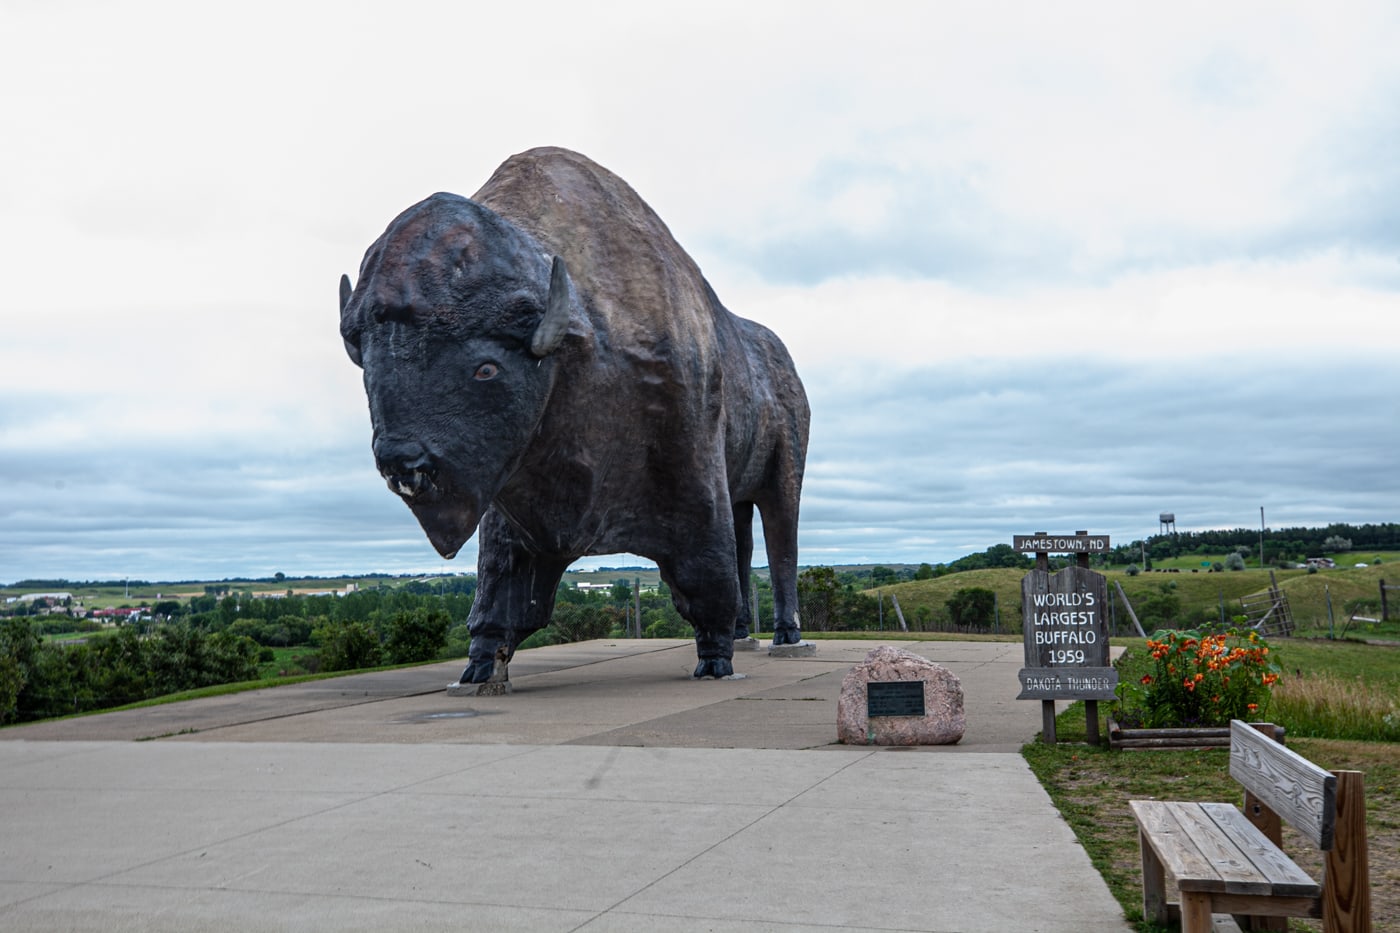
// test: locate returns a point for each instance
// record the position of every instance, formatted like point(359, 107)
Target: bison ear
point(555, 322)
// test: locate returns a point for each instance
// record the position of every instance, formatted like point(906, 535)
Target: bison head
point(454, 320)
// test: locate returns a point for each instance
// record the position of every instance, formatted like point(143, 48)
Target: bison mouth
point(415, 475)
point(447, 524)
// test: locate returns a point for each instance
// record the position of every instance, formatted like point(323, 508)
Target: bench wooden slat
point(1232, 870)
point(1290, 785)
point(1178, 853)
point(1283, 874)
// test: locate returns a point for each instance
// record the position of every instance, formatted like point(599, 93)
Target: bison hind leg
point(714, 667)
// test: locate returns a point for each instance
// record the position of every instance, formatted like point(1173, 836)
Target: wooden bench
point(1226, 861)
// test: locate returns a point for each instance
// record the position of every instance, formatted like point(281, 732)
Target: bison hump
point(621, 256)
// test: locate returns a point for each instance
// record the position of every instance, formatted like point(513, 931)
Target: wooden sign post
point(1066, 630)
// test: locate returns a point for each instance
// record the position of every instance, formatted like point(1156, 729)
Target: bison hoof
point(714, 667)
point(478, 671)
point(787, 635)
point(741, 632)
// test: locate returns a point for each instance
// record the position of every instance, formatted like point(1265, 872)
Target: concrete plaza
point(609, 791)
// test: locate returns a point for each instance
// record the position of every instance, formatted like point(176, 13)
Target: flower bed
point(1190, 680)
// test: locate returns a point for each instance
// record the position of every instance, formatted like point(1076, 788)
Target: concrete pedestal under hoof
point(746, 644)
point(803, 649)
point(492, 688)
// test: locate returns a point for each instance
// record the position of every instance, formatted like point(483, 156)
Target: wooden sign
point(1061, 544)
point(1066, 636)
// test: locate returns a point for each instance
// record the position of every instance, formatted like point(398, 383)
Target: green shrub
point(972, 608)
point(416, 635)
point(1160, 610)
point(348, 646)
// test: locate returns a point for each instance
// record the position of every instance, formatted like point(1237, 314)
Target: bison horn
point(350, 348)
point(555, 322)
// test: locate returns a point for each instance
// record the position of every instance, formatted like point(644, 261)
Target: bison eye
point(486, 372)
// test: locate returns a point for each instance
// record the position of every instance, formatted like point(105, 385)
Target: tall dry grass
point(1327, 706)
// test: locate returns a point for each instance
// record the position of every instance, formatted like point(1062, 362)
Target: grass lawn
point(287, 662)
point(1092, 785)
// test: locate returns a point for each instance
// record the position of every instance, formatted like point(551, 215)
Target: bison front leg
point(514, 595)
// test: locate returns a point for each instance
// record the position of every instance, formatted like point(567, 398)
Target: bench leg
point(1154, 884)
point(1195, 912)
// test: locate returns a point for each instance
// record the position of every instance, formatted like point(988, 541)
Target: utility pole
point(1261, 537)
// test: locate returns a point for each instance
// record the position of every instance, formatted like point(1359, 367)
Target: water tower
point(1166, 522)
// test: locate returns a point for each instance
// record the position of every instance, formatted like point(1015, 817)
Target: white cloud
point(1155, 230)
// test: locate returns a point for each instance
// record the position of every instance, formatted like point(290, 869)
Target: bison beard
point(545, 366)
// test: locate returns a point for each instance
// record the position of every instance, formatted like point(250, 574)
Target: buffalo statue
point(544, 362)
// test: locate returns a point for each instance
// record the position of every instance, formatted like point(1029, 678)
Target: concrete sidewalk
point(608, 792)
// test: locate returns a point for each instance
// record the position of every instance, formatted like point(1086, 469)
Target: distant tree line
point(224, 636)
point(41, 679)
point(1281, 545)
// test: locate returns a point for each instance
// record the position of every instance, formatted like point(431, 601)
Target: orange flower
point(1252, 707)
point(1147, 678)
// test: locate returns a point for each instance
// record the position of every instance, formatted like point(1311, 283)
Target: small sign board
point(1066, 636)
point(1061, 544)
point(1080, 683)
point(894, 698)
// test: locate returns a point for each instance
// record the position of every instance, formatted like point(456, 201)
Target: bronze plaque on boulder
point(894, 698)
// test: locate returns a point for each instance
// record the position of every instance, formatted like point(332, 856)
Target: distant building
point(35, 597)
point(1321, 562)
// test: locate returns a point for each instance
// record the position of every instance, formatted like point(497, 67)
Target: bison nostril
point(409, 485)
point(409, 473)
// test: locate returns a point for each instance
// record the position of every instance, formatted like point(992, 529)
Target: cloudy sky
point(1043, 267)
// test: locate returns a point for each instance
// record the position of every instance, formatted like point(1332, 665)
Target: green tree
point(1160, 610)
point(348, 646)
point(925, 572)
point(882, 576)
point(19, 644)
point(972, 608)
point(658, 623)
point(416, 635)
point(817, 594)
